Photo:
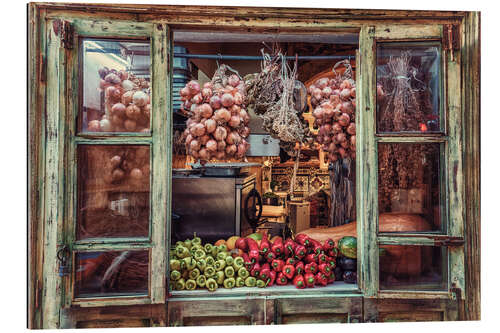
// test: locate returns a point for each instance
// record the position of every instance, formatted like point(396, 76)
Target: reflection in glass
point(412, 267)
point(408, 87)
point(113, 191)
point(409, 183)
point(114, 273)
point(116, 86)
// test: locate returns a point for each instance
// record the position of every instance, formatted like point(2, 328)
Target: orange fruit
point(220, 242)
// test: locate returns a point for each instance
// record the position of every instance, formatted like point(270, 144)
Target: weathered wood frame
point(47, 69)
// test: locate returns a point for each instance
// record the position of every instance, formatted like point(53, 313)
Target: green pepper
point(222, 248)
point(180, 284)
point(201, 264)
point(229, 283)
point(219, 277)
point(194, 273)
point(238, 262)
point(229, 260)
point(181, 252)
point(214, 251)
point(219, 265)
point(179, 243)
point(199, 254)
point(188, 263)
point(175, 275)
point(209, 271)
point(196, 240)
point(221, 255)
point(240, 282)
point(201, 280)
point(208, 248)
point(190, 284)
point(250, 281)
point(229, 271)
point(210, 260)
point(195, 248)
point(175, 265)
point(261, 284)
point(243, 272)
point(187, 243)
point(211, 284)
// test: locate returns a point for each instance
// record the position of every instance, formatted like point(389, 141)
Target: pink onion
point(189, 138)
point(353, 140)
point(198, 130)
point(245, 132)
point(227, 100)
point(234, 121)
point(210, 125)
point(238, 98)
point(336, 128)
point(318, 113)
point(326, 92)
point(223, 115)
point(130, 125)
point(206, 93)
point(341, 137)
point(221, 145)
point(233, 80)
point(322, 83)
point(133, 111)
point(233, 138)
point(211, 145)
point(241, 150)
point(244, 116)
point(94, 126)
point(231, 149)
point(208, 85)
point(351, 129)
point(140, 98)
point(204, 155)
point(335, 99)
point(346, 84)
point(206, 111)
point(344, 144)
point(344, 119)
point(311, 88)
point(220, 155)
point(204, 139)
point(194, 145)
point(215, 102)
point(136, 174)
point(194, 87)
point(185, 92)
point(197, 99)
point(353, 92)
point(235, 110)
point(220, 133)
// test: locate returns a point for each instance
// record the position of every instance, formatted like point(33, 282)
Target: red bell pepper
point(331, 277)
point(299, 267)
point(334, 253)
point(311, 267)
point(311, 257)
point(247, 262)
point(331, 261)
point(325, 269)
point(265, 246)
point(289, 271)
point(322, 258)
point(328, 244)
point(291, 261)
point(310, 280)
point(289, 246)
point(253, 250)
point(299, 282)
point(277, 246)
point(272, 278)
point(270, 256)
point(241, 244)
point(317, 248)
point(265, 272)
point(321, 279)
point(281, 280)
point(255, 272)
point(303, 239)
point(277, 265)
point(300, 251)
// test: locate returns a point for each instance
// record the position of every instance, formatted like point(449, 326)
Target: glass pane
point(409, 187)
point(408, 87)
point(113, 273)
point(413, 267)
point(116, 86)
point(113, 191)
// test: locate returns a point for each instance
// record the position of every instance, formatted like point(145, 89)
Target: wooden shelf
point(288, 290)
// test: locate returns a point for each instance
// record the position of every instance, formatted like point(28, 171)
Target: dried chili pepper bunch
point(304, 261)
point(126, 100)
point(334, 103)
point(218, 121)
